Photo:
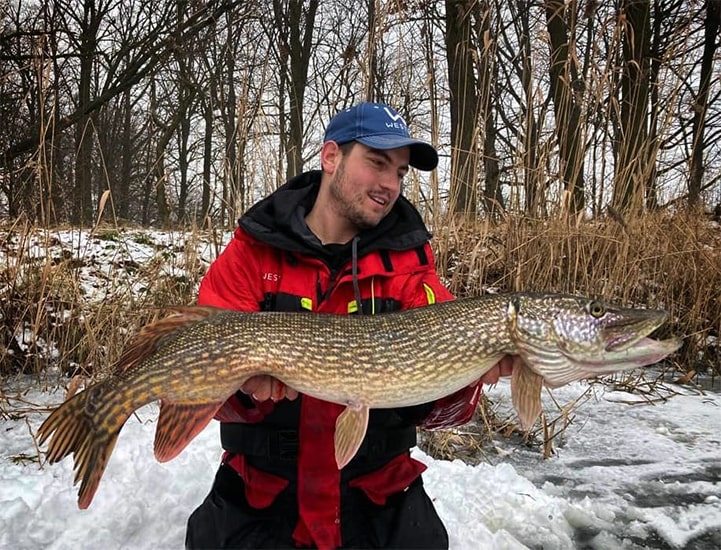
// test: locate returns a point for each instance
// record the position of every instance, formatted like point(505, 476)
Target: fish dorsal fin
point(350, 429)
point(178, 424)
point(147, 340)
point(526, 393)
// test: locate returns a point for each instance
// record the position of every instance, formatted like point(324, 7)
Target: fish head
point(567, 338)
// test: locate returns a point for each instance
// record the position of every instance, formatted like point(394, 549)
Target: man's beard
point(345, 206)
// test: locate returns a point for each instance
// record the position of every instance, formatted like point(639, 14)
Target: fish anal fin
point(178, 424)
point(350, 429)
point(150, 336)
point(526, 393)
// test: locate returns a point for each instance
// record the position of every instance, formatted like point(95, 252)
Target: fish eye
point(596, 309)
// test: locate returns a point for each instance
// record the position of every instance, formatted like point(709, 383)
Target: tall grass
point(51, 319)
point(658, 260)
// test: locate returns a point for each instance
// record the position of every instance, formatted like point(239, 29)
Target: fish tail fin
point(150, 336)
point(77, 428)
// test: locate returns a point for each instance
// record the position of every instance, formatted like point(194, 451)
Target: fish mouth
point(628, 329)
point(564, 368)
point(628, 344)
point(632, 353)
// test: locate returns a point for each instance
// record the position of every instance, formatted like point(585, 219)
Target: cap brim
point(423, 155)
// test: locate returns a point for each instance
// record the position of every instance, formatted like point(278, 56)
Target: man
point(340, 240)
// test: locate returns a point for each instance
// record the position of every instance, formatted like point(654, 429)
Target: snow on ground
point(631, 477)
point(623, 476)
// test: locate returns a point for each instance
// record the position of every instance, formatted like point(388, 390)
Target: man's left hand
point(503, 368)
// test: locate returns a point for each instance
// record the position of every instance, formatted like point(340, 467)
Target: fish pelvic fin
point(76, 427)
point(350, 429)
point(526, 393)
point(150, 336)
point(178, 424)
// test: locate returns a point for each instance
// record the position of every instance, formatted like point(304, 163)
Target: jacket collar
point(279, 220)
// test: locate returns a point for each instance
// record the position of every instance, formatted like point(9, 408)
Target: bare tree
point(700, 107)
point(463, 106)
point(183, 108)
point(517, 93)
point(90, 18)
point(108, 62)
point(23, 86)
point(486, 41)
point(242, 69)
point(294, 21)
point(372, 92)
point(564, 82)
point(633, 156)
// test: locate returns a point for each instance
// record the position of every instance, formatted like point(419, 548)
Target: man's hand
point(263, 387)
point(503, 368)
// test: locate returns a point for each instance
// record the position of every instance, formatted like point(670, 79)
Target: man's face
point(367, 183)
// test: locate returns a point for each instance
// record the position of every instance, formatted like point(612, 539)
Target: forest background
point(579, 143)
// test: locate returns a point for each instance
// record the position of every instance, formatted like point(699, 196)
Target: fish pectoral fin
point(178, 424)
point(350, 429)
point(526, 393)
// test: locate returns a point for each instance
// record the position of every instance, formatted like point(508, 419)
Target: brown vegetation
point(50, 324)
point(659, 260)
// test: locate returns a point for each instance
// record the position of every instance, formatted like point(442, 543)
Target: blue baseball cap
point(379, 126)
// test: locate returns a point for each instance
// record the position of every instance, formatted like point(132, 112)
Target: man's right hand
point(263, 387)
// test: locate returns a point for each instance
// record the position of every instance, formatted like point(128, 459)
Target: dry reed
point(656, 260)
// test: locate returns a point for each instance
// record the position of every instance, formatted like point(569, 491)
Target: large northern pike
point(194, 360)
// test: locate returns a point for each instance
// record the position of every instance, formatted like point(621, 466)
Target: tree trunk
point(463, 107)
point(371, 92)
point(183, 166)
point(207, 158)
point(700, 107)
point(634, 154)
point(122, 191)
point(294, 24)
point(486, 48)
point(82, 212)
point(563, 78)
point(532, 182)
point(233, 168)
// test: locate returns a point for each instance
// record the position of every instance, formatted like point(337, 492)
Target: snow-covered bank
point(644, 476)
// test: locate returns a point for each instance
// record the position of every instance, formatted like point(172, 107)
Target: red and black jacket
point(275, 263)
